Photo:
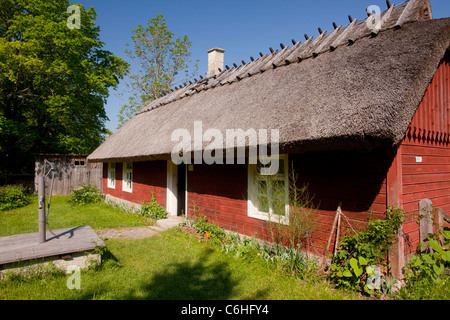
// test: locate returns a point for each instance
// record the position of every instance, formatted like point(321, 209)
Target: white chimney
point(215, 61)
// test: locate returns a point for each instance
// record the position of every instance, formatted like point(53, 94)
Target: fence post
point(425, 219)
point(438, 218)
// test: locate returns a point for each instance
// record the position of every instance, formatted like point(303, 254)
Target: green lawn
point(171, 265)
point(64, 215)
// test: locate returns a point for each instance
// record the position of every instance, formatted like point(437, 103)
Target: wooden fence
point(71, 171)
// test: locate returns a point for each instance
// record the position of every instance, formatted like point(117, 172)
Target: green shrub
point(359, 255)
point(211, 230)
point(199, 222)
point(14, 196)
point(241, 247)
point(85, 194)
point(428, 269)
point(153, 210)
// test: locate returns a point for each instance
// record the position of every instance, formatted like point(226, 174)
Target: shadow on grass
point(202, 277)
point(187, 280)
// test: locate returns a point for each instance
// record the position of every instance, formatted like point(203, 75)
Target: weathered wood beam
point(328, 40)
point(415, 10)
point(343, 37)
point(382, 21)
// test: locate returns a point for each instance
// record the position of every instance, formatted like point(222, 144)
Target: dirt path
point(133, 233)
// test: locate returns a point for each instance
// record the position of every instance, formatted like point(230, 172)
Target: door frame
point(173, 189)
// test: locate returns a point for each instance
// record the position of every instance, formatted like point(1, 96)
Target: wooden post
point(41, 208)
point(336, 242)
point(426, 219)
point(438, 220)
point(333, 228)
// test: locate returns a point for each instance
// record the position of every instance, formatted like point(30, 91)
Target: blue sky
point(243, 28)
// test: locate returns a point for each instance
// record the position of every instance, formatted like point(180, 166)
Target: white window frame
point(111, 175)
point(127, 177)
point(252, 210)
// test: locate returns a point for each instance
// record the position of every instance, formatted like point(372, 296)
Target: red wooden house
point(363, 115)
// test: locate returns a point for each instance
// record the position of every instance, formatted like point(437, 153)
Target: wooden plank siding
point(425, 154)
point(357, 179)
point(220, 192)
point(148, 177)
point(71, 172)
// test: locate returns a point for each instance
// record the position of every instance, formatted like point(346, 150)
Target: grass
point(170, 266)
point(64, 215)
point(427, 290)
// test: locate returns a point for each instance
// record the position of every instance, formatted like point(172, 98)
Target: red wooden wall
point(427, 140)
point(220, 192)
point(148, 176)
point(357, 179)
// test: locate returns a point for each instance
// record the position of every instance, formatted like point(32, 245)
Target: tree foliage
point(54, 81)
point(160, 61)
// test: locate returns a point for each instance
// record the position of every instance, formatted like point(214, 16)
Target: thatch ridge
point(311, 48)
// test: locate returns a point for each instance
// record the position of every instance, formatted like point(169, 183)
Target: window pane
point(278, 188)
point(278, 199)
point(263, 204)
point(280, 166)
point(262, 187)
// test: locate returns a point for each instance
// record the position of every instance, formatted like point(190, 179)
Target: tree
point(159, 59)
point(54, 81)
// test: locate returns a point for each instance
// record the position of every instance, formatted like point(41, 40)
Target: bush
point(153, 210)
point(14, 196)
point(429, 269)
point(85, 194)
point(199, 222)
point(209, 229)
point(241, 247)
point(358, 256)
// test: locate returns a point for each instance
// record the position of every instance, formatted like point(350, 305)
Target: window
point(127, 177)
point(79, 163)
point(268, 194)
point(111, 175)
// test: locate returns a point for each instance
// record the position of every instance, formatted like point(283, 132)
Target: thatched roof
point(351, 88)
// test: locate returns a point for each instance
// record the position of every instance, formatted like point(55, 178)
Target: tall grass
point(296, 232)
